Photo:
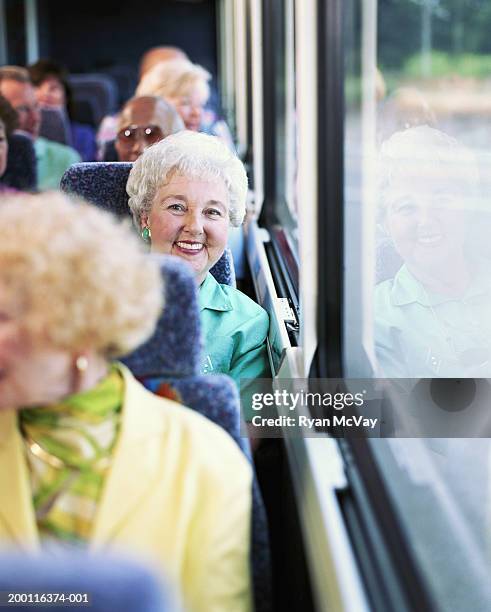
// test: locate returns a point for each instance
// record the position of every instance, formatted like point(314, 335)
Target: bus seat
point(21, 170)
point(112, 583)
point(104, 184)
point(216, 398)
point(175, 347)
point(387, 261)
point(54, 126)
point(168, 364)
point(99, 89)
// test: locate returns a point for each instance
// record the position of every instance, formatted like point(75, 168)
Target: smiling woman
point(184, 193)
point(432, 319)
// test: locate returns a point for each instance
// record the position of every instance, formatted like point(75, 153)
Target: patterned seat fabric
point(55, 126)
point(21, 170)
point(104, 184)
point(99, 91)
point(216, 398)
point(168, 364)
point(112, 583)
point(174, 350)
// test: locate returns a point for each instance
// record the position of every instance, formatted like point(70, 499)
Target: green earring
point(146, 234)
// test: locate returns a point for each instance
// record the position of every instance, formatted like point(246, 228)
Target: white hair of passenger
point(174, 79)
point(192, 155)
point(432, 157)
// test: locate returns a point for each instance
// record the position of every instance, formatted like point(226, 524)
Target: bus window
point(417, 279)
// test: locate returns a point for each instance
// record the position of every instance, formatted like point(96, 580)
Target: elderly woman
point(87, 455)
point(186, 86)
point(143, 121)
point(184, 193)
point(182, 84)
point(432, 319)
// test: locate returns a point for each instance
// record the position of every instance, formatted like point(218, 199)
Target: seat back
point(54, 126)
point(111, 582)
point(99, 90)
point(21, 172)
point(174, 350)
point(104, 184)
point(387, 261)
point(168, 365)
point(216, 398)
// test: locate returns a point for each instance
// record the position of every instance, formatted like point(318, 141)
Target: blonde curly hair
point(173, 79)
point(76, 275)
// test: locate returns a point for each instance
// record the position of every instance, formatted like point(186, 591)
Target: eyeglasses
point(131, 134)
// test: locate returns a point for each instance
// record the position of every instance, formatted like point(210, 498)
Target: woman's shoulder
point(186, 431)
point(242, 302)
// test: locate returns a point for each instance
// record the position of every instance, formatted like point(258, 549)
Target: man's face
point(142, 123)
point(22, 97)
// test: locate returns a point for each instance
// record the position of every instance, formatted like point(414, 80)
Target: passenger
point(109, 125)
point(87, 455)
point(182, 84)
point(8, 123)
point(52, 158)
point(185, 86)
point(432, 319)
point(143, 122)
point(53, 91)
point(156, 55)
point(184, 193)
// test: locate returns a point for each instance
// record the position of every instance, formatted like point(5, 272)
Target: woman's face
point(4, 149)
point(427, 225)
point(31, 372)
point(51, 93)
point(190, 108)
point(190, 218)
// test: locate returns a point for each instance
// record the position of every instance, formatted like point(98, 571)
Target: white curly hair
point(193, 155)
point(173, 79)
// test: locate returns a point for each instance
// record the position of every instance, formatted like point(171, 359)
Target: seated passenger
point(156, 55)
point(185, 86)
point(144, 121)
point(432, 319)
point(52, 158)
point(8, 123)
point(87, 455)
point(184, 192)
point(53, 91)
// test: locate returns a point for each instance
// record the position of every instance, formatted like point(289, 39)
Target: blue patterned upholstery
point(99, 91)
point(175, 347)
point(21, 170)
point(168, 364)
point(55, 126)
point(113, 583)
point(104, 184)
point(224, 270)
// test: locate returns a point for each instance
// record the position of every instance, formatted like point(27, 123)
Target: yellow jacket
point(178, 494)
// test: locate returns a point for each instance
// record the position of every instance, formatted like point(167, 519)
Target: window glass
point(417, 261)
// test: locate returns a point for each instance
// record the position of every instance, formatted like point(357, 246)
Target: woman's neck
point(96, 370)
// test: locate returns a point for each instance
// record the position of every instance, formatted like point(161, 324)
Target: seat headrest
point(102, 183)
point(21, 170)
point(175, 347)
point(54, 126)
